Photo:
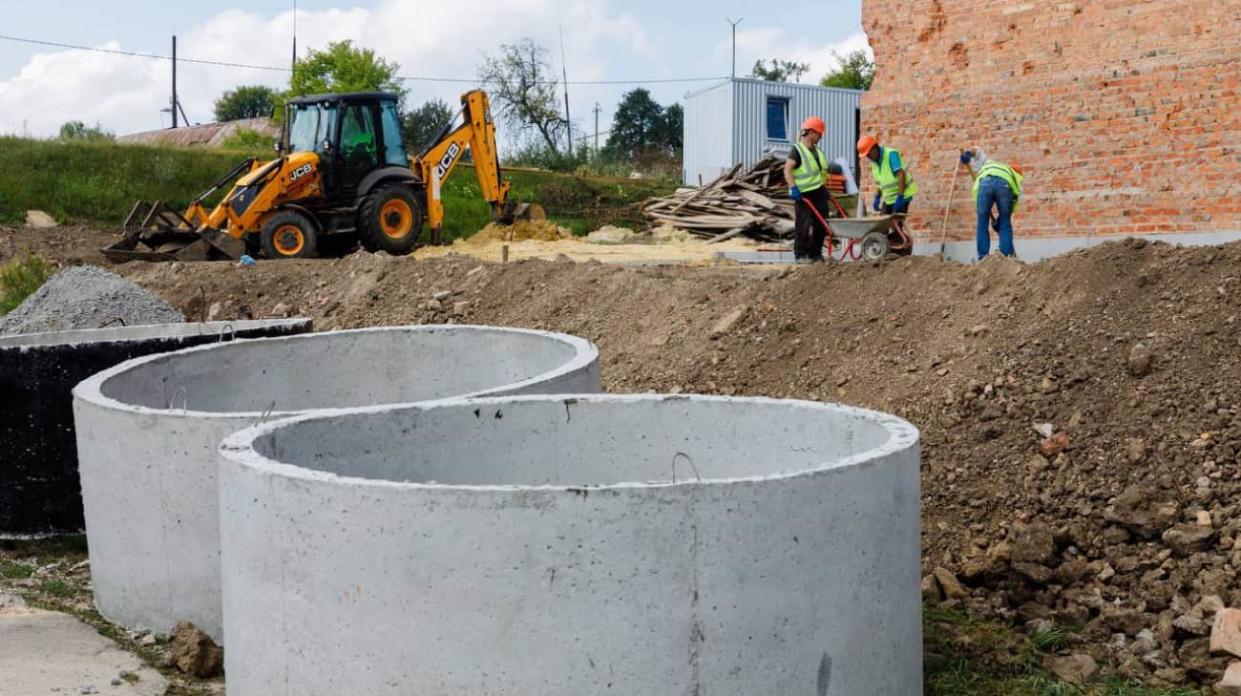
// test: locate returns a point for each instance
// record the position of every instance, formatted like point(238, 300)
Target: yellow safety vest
point(807, 177)
point(1003, 172)
point(886, 178)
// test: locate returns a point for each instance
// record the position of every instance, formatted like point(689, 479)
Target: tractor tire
point(289, 235)
point(390, 219)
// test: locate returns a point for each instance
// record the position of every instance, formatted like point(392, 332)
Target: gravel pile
point(87, 297)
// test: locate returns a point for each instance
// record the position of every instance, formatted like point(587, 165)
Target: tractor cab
point(354, 134)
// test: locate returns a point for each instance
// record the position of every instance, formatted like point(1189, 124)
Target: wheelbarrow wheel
point(875, 246)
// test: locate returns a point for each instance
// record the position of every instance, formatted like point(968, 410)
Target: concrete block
point(148, 430)
point(568, 545)
point(39, 490)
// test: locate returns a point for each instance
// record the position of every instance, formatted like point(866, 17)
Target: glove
point(795, 193)
point(966, 157)
point(899, 205)
point(878, 201)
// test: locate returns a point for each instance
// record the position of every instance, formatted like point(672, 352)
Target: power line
point(273, 68)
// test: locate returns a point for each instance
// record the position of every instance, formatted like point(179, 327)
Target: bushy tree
point(247, 101)
point(419, 126)
point(777, 70)
point(342, 67)
point(643, 126)
point(76, 130)
point(854, 71)
point(524, 88)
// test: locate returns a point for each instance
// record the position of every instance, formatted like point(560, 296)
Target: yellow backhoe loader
point(342, 177)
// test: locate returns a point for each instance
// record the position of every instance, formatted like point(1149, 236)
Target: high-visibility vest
point(810, 174)
point(888, 182)
point(1004, 173)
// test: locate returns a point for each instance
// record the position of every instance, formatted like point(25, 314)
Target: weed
point(15, 570)
point(56, 588)
point(20, 278)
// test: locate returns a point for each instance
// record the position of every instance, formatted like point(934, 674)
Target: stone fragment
point(1077, 668)
point(193, 652)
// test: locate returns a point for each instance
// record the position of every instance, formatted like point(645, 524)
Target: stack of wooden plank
point(753, 202)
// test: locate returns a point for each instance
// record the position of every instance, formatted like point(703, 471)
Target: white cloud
point(765, 43)
point(125, 94)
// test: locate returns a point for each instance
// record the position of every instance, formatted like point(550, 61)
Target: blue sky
point(40, 87)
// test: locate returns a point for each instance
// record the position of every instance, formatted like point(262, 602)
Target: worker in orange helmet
point(895, 181)
point(805, 172)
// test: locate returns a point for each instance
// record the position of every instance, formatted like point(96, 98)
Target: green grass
point(20, 278)
point(970, 657)
point(98, 182)
point(56, 588)
point(15, 570)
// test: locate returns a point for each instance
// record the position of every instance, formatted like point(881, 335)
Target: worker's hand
point(878, 201)
point(795, 193)
point(899, 205)
point(966, 157)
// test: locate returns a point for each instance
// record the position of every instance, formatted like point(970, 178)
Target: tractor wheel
point(289, 235)
point(390, 220)
point(875, 245)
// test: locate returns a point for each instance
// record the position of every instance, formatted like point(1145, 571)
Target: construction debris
point(753, 202)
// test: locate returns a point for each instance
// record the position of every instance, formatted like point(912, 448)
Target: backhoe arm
point(477, 131)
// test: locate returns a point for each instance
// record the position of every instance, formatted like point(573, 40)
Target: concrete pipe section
point(148, 431)
point(39, 492)
point(640, 545)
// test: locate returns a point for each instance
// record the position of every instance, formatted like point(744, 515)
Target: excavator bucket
point(156, 232)
point(514, 211)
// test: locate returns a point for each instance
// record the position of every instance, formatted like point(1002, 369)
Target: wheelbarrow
point(869, 238)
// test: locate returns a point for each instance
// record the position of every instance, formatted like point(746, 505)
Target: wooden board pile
point(753, 202)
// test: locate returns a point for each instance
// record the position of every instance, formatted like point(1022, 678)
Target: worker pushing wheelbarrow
point(805, 171)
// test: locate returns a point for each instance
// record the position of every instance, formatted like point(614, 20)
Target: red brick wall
point(1124, 114)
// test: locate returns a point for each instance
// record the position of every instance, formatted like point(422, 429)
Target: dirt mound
point(1080, 417)
point(86, 297)
point(540, 230)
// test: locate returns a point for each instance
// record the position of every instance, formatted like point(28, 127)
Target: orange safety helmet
point(1017, 169)
point(815, 124)
point(865, 145)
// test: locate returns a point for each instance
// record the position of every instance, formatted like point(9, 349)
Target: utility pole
point(734, 43)
point(294, 63)
point(596, 129)
point(564, 71)
point(172, 105)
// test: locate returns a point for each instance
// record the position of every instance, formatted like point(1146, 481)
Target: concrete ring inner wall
point(539, 545)
point(148, 431)
point(39, 490)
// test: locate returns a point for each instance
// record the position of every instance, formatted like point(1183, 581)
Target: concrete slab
point(47, 652)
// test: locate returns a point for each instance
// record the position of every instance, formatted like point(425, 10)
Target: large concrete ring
point(640, 545)
point(39, 491)
point(148, 431)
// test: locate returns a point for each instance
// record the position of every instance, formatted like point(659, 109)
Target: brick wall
point(1124, 114)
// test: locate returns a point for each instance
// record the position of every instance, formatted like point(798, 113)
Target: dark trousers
point(808, 233)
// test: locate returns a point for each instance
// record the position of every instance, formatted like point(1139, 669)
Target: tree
point(854, 71)
point(343, 68)
point(419, 126)
point(672, 132)
point(247, 101)
point(779, 70)
point(522, 83)
point(637, 125)
point(76, 130)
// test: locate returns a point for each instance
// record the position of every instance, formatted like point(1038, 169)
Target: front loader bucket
point(521, 211)
point(156, 232)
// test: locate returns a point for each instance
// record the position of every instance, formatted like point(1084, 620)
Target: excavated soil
point(1080, 417)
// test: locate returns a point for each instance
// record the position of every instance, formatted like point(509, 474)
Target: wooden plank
point(726, 235)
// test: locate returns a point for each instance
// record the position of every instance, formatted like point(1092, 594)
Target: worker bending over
point(996, 186)
point(805, 171)
point(896, 183)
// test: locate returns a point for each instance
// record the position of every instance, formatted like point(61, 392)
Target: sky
point(41, 87)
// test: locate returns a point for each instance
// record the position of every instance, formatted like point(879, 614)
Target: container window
point(777, 118)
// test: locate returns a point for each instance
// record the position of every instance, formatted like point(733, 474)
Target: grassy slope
point(99, 182)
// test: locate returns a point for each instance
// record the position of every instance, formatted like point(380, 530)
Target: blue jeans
point(995, 193)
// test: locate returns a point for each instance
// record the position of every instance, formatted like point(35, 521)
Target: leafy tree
point(249, 140)
point(673, 129)
point(343, 68)
point(777, 70)
point(854, 71)
point(76, 130)
point(247, 101)
point(524, 87)
point(637, 125)
point(419, 126)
